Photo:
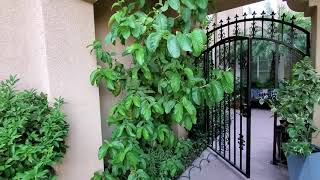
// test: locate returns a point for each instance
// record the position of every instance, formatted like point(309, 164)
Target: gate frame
point(250, 37)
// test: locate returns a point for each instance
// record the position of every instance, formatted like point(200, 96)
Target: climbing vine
point(162, 87)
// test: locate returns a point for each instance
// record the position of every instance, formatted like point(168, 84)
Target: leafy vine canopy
point(163, 86)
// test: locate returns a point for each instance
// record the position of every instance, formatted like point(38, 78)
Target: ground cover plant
point(32, 133)
point(161, 88)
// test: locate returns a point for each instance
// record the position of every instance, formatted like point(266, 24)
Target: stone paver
point(214, 168)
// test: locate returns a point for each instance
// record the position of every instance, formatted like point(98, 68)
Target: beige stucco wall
point(22, 43)
point(315, 44)
point(44, 42)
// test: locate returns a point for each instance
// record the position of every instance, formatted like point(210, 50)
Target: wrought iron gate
point(228, 123)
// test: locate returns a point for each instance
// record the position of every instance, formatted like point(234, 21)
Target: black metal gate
point(228, 123)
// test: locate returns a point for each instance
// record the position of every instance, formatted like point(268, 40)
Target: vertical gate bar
point(208, 76)
point(308, 45)
point(275, 118)
point(235, 95)
point(282, 25)
point(262, 23)
point(220, 133)
point(248, 149)
point(224, 104)
point(229, 105)
point(241, 105)
point(206, 118)
point(244, 24)
point(207, 107)
point(215, 104)
point(212, 108)
point(274, 149)
point(220, 108)
point(235, 103)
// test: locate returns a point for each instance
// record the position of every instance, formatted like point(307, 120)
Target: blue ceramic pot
point(304, 167)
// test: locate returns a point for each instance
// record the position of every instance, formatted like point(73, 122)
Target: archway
point(231, 45)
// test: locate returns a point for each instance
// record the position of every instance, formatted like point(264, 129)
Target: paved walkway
point(214, 168)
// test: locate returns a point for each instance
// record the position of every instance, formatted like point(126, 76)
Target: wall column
point(315, 54)
point(69, 28)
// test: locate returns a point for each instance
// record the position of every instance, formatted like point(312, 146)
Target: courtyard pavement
point(210, 167)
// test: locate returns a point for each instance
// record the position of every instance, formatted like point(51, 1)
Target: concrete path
point(210, 167)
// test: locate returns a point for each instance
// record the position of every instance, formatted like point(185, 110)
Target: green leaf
point(228, 82)
point(173, 46)
point(146, 72)
point(139, 132)
point(153, 40)
point(142, 3)
point(146, 110)
point(103, 150)
point(184, 42)
point(132, 48)
point(161, 22)
point(189, 3)
point(175, 81)
point(136, 101)
point(110, 85)
point(140, 56)
point(120, 131)
point(116, 5)
point(158, 108)
point(108, 38)
point(121, 156)
point(196, 96)
point(170, 22)
point(174, 4)
point(168, 106)
point(145, 134)
point(189, 73)
point(161, 135)
point(178, 112)
point(125, 31)
point(187, 123)
point(198, 39)
point(185, 14)
point(113, 17)
point(130, 132)
point(188, 106)
point(217, 91)
point(94, 77)
point(133, 158)
point(202, 3)
point(165, 7)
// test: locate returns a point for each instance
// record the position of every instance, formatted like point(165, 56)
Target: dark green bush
point(32, 133)
point(295, 103)
point(168, 162)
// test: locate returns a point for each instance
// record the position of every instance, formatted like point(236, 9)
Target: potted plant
point(294, 103)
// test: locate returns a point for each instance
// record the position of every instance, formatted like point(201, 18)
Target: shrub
point(32, 133)
point(294, 103)
point(168, 162)
point(162, 86)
